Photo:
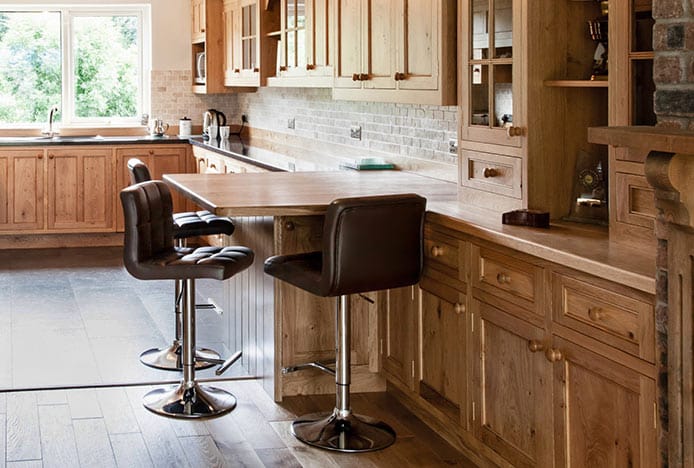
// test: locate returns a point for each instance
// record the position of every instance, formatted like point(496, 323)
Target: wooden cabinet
point(207, 46)
point(304, 57)
point(21, 189)
point(250, 50)
point(398, 334)
point(163, 159)
point(80, 189)
point(395, 51)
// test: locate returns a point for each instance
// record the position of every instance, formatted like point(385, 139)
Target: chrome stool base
point(351, 433)
point(196, 402)
point(170, 358)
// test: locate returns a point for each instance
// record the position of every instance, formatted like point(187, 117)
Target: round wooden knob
point(459, 308)
point(51, 156)
point(355, 77)
point(256, 70)
point(503, 278)
point(514, 131)
point(535, 346)
point(595, 313)
point(436, 251)
point(283, 68)
point(490, 172)
point(289, 226)
point(553, 355)
point(310, 66)
point(363, 77)
point(39, 156)
point(236, 70)
point(399, 76)
point(151, 152)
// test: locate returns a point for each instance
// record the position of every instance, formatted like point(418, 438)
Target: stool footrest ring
point(322, 366)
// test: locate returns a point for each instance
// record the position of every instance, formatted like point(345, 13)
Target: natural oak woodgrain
point(22, 189)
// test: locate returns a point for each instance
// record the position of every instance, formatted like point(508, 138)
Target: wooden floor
point(108, 427)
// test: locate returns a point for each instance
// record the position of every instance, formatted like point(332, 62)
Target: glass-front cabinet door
point(490, 72)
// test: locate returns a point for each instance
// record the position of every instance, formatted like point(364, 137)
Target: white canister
point(185, 127)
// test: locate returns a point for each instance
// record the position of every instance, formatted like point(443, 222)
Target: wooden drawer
point(445, 258)
point(635, 200)
point(492, 172)
point(608, 312)
point(507, 277)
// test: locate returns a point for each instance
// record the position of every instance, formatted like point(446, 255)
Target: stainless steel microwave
point(200, 68)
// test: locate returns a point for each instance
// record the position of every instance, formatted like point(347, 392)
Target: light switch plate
point(453, 145)
point(355, 132)
point(291, 123)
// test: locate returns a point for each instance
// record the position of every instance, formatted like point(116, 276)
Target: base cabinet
point(21, 189)
point(493, 365)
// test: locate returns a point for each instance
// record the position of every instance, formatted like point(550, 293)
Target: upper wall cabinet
point(206, 47)
point(250, 52)
point(303, 58)
point(395, 51)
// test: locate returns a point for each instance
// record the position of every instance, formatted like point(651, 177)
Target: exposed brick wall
point(403, 129)
point(172, 98)
point(673, 42)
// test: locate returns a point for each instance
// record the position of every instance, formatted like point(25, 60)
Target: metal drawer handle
point(459, 308)
point(436, 251)
point(535, 346)
point(553, 355)
point(490, 172)
point(503, 278)
point(596, 313)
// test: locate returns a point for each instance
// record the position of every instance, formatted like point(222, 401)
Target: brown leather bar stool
point(149, 254)
point(369, 244)
point(187, 224)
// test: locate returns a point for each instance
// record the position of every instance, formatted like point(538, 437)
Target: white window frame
point(67, 14)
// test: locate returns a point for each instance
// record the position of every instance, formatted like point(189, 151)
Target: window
point(90, 62)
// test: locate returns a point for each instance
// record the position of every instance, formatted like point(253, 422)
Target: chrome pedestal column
point(341, 430)
point(189, 399)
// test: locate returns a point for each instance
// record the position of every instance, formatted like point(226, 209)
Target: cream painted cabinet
point(395, 51)
point(80, 189)
point(303, 45)
point(21, 189)
point(250, 48)
point(198, 21)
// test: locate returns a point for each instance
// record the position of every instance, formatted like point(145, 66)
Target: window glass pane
point(642, 94)
point(106, 55)
point(643, 22)
point(291, 14)
point(301, 48)
point(503, 95)
point(479, 111)
point(480, 29)
point(291, 49)
point(503, 29)
point(30, 75)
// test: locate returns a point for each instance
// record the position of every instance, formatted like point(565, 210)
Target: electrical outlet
point(453, 145)
point(244, 118)
point(355, 132)
point(291, 123)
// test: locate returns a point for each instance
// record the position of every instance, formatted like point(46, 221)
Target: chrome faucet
point(49, 130)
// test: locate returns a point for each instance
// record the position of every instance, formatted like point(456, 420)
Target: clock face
point(588, 178)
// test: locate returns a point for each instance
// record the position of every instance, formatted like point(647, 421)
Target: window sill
point(120, 130)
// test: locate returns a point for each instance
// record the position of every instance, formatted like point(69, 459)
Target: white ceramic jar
point(185, 127)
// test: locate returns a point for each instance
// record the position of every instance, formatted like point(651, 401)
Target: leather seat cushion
point(301, 270)
point(201, 223)
point(217, 263)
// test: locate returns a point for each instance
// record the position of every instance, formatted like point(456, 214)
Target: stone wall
point(673, 42)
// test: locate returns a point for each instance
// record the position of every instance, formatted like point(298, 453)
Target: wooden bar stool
point(369, 244)
point(185, 225)
point(149, 254)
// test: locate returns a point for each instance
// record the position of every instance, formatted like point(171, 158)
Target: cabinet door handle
point(283, 68)
point(503, 278)
point(310, 66)
point(202, 30)
point(363, 77)
point(399, 76)
point(535, 346)
point(236, 70)
point(436, 251)
point(51, 156)
point(553, 355)
point(596, 313)
point(490, 172)
point(459, 308)
point(39, 156)
point(355, 76)
point(289, 226)
point(512, 131)
point(151, 152)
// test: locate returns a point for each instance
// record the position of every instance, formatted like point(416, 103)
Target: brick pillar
point(673, 68)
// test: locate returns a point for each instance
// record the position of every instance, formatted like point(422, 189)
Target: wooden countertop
point(582, 247)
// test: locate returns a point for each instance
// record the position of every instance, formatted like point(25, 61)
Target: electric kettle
point(213, 117)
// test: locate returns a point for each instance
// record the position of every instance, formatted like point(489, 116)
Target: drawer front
point(492, 172)
point(608, 315)
point(444, 258)
point(507, 277)
point(635, 200)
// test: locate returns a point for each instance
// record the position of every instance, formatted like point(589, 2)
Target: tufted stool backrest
point(147, 208)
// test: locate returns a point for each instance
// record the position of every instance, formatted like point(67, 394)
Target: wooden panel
point(604, 413)
point(348, 34)
point(608, 312)
point(443, 338)
point(492, 173)
point(511, 408)
point(507, 277)
point(380, 43)
point(21, 190)
point(398, 325)
point(635, 200)
point(365, 333)
point(418, 58)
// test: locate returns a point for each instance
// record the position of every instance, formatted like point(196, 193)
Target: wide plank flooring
point(109, 427)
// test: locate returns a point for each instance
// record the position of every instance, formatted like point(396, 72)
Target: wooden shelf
point(576, 83)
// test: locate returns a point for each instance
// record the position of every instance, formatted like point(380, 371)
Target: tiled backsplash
point(406, 130)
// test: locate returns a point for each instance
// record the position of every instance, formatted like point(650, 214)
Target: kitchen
point(535, 320)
